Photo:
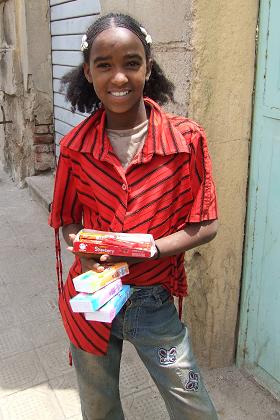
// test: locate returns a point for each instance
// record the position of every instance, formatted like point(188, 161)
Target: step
point(41, 189)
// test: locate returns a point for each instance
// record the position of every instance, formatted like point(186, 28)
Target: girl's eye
point(133, 64)
point(103, 65)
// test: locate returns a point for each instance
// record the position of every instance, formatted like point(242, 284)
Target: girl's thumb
point(72, 237)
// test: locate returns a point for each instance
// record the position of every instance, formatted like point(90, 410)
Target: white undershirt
point(127, 143)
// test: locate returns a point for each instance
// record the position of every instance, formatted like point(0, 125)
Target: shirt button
point(124, 187)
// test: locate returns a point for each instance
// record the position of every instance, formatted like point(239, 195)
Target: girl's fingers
point(91, 264)
point(98, 267)
point(106, 258)
point(95, 267)
point(111, 259)
point(88, 262)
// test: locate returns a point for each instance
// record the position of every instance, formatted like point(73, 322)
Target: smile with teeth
point(122, 93)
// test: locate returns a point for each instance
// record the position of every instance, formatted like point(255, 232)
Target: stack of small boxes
point(102, 294)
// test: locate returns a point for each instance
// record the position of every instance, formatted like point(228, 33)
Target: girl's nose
point(119, 78)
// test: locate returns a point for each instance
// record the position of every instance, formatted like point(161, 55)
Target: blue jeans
point(149, 320)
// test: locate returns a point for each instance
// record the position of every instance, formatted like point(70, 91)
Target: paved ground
point(36, 382)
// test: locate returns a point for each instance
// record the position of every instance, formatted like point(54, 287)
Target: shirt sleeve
point(203, 189)
point(65, 207)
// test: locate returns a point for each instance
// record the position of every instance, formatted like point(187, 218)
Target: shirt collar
point(163, 138)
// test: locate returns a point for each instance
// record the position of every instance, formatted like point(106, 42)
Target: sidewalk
point(36, 382)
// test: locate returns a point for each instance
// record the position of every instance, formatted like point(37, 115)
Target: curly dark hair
point(81, 94)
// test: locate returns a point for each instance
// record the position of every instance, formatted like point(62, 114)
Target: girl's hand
point(88, 261)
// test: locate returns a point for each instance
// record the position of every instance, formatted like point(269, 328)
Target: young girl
point(130, 167)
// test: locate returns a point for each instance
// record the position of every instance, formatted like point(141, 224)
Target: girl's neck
point(130, 119)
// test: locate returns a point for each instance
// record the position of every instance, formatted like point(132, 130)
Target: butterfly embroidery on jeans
point(192, 383)
point(167, 357)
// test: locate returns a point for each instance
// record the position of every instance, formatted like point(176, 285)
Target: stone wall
point(26, 131)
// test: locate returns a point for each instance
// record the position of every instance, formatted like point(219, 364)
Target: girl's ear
point(149, 69)
point(87, 72)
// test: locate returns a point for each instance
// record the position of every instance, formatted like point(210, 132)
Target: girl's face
point(118, 69)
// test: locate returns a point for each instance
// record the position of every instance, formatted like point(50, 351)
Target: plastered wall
point(26, 139)
point(221, 100)
point(169, 23)
point(208, 50)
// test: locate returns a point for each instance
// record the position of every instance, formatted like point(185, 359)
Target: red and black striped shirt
point(167, 185)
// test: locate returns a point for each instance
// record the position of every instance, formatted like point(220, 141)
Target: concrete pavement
point(36, 382)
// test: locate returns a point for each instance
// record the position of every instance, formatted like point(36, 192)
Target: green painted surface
point(259, 338)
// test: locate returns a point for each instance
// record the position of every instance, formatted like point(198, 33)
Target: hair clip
point(84, 44)
point(148, 37)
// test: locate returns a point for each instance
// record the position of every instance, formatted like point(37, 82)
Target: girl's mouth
point(120, 93)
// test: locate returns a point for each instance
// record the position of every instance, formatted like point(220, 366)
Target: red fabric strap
point(58, 262)
point(70, 358)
